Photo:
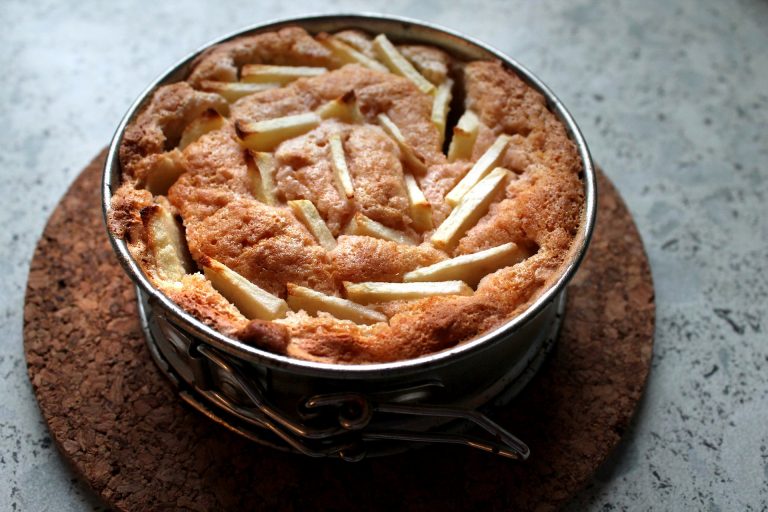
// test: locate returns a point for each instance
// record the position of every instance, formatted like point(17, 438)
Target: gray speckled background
point(673, 99)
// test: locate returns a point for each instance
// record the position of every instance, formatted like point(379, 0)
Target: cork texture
point(117, 420)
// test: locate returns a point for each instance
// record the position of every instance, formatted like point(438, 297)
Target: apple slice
point(363, 226)
point(440, 106)
point(470, 268)
point(312, 301)
point(394, 60)
point(464, 135)
point(414, 161)
point(306, 212)
point(339, 164)
point(163, 172)
point(166, 242)
point(421, 210)
point(343, 108)
point(366, 293)
point(267, 135)
point(233, 91)
point(472, 207)
point(252, 300)
point(348, 54)
point(208, 121)
point(265, 74)
point(484, 164)
point(263, 179)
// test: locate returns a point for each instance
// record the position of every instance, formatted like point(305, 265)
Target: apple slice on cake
point(464, 135)
point(367, 293)
point(470, 268)
point(421, 210)
point(473, 206)
point(264, 73)
point(305, 211)
point(339, 165)
point(253, 301)
point(313, 301)
point(394, 60)
point(268, 134)
point(348, 54)
point(166, 242)
point(343, 108)
point(233, 91)
point(364, 226)
point(208, 121)
point(482, 167)
point(262, 177)
point(414, 161)
point(440, 106)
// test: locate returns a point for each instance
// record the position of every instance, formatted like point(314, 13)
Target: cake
point(342, 199)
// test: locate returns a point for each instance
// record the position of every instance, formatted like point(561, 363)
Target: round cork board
point(116, 419)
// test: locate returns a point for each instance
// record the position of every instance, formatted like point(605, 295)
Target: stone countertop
point(671, 97)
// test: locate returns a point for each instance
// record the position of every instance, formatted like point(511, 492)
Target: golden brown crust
point(434, 64)
point(160, 124)
point(358, 40)
point(287, 46)
point(503, 101)
point(304, 172)
point(217, 173)
point(431, 62)
point(376, 93)
point(373, 160)
point(540, 209)
point(409, 109)
point(327, 340)
point(265, 335)
point(196, 295)
point(438, 182)
point(362, 258)
point(125, 213)
point(267, 246)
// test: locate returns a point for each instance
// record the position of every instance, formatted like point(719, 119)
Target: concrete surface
point(672, 98)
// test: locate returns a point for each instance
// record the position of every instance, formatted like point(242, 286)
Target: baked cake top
point(338, 198)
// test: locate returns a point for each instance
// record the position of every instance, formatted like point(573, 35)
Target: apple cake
point(339, 198)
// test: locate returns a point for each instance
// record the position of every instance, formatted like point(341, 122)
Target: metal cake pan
point(324, 409)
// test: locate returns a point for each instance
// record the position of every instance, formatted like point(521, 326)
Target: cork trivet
point(116, 418)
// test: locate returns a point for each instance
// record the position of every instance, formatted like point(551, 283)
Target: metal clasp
point(345, 419)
